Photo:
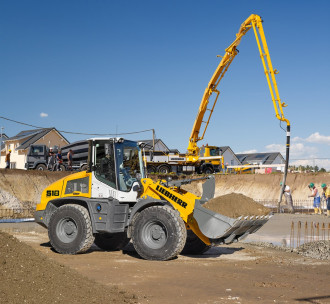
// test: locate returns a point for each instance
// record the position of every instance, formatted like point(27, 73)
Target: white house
point(267, 158)
point(229, 157)
point(20, 144)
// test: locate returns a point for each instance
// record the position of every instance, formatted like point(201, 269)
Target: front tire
point(70, 229)
point(159, 233)
point(111, 241)
point(41, 167)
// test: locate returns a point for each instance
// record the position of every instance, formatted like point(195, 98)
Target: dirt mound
point(316, 250)
point(235, 205)
point(28, 276)
point(262, 186)
point(19, 186)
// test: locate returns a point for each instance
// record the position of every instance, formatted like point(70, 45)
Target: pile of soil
point(20, 186)
point(235, 205)
point(28, 276)
point(316, 250)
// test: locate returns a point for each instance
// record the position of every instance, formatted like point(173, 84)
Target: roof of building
point(265, 158)
point(158, 144)
point(223, 149)
point(29, 137)
point(4, 137)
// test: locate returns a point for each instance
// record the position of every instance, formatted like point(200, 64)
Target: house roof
point(223, 149)
point(266, 158)
point(29, 137)
point(4, 137)
point(158, 143)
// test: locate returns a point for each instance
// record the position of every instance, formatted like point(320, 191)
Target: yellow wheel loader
point(113, 202)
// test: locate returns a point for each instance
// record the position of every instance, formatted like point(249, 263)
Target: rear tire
point(70, 229)
point(159, 233)
point(194, 245)
point(164, 169)
point(111, 241)
point(41, 167)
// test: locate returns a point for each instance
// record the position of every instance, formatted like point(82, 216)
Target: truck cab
point(37, 157)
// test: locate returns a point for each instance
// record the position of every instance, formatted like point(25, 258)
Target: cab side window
point(105, 164)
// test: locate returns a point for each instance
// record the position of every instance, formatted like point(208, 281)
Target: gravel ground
point(317, 250)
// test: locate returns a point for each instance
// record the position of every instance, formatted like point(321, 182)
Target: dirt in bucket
point(235, 205)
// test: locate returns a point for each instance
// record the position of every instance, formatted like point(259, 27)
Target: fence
point(308, 232)
point(17, 213)
point(303, 206)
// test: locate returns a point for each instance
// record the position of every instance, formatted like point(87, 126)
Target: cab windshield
point(129, 164)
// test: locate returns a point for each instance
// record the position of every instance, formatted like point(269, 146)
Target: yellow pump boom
point(255, 22)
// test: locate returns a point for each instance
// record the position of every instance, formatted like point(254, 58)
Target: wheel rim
point(163, 170)
point(154, 234)
point(66, 230)
point(40, 168)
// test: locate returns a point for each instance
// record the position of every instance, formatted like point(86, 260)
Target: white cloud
point(315, 138)
point(42, 114)
point(318, 138)
point(296, 150)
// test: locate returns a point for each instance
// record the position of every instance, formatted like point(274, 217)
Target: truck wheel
point(41, 167)
point(159, 233)
point(194, 245)
point(84, 168)
point(70, 229)
point(151, 169)
point(208, 170)
point(61, 168)
point(111, 241)
point(164, 169)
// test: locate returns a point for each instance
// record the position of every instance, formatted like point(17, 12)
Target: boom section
point(255, 22)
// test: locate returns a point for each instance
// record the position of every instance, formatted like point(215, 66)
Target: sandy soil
point(235, 205)
point(238, 273)
point(27, 276)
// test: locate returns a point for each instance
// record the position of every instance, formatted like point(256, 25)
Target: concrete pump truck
point(113, 202)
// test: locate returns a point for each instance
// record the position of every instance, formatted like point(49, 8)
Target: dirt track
point(238, 273)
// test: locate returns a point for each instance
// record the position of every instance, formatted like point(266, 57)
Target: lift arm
point(255, 22)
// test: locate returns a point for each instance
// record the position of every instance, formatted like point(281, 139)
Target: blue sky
point(123, 66)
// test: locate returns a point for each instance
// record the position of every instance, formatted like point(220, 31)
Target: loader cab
point(117, 168)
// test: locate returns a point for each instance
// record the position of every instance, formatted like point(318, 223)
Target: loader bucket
point(223, 229)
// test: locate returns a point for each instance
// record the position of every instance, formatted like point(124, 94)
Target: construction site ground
point(236, 273)
point(250, 271)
